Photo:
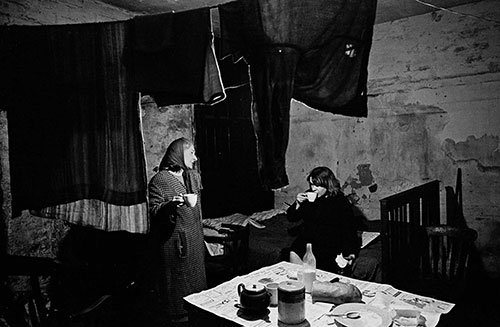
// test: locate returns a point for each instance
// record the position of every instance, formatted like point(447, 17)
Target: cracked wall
point(434, 107)
point(161, 126)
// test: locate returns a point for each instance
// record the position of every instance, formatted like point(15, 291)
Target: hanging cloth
point(100, 215)
point(172, 57)
point(74, 125)
point(313, 51)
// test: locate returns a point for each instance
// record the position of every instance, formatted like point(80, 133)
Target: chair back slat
point(449, 249)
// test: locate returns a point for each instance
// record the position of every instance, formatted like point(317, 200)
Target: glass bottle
point(309, 259)
point(309, 268)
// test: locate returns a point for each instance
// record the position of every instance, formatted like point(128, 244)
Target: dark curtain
point(74, 126)
point(313, 51)
point(172, 58)
point(272, 88)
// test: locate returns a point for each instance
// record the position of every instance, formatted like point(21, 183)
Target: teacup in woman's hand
point(190, 199)
point(311, 196)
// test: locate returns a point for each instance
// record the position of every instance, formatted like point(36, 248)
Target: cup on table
point(190, 199)
point(272, 289)
point(407, 312)
point(311, 196)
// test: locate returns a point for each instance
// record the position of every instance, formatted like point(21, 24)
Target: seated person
point(329, 225)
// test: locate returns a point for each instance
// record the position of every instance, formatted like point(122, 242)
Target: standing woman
point(178, 227)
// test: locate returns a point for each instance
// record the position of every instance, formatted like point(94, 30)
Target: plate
point(370, 316)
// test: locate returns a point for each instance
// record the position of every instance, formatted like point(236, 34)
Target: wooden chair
point(403, 218)
point(454, 203)
point(34, 268)
point(446, 265)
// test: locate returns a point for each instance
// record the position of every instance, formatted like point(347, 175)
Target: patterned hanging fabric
point(75, 140)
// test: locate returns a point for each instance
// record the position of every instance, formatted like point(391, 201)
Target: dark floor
point(134, 300)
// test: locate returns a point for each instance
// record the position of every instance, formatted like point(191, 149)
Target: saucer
point(252, 315)
point(370, 316)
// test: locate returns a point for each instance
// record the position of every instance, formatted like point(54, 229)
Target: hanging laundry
point(313, 51)
point(172, 58)
point(74, 125)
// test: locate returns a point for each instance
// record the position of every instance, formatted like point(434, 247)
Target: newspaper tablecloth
point(221, 299)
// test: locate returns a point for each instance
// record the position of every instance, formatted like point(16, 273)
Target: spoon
point(350, 315)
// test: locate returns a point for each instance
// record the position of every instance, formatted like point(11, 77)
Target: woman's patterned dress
point(182, 254)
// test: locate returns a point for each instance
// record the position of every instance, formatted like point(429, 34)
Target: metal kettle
point(253, 298)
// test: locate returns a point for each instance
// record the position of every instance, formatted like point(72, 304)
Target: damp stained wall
point(434, 107)
point(162, 125)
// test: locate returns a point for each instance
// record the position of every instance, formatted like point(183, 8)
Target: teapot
point(253, 298)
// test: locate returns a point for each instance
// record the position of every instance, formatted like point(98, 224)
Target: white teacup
point(311, 196)
point(190, 199)
point(272, 289)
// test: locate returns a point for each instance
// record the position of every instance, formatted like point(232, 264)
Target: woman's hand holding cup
point(309, 196)
point(301, 197)
point(178, 199)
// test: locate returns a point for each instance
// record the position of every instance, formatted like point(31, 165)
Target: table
point(220, 301)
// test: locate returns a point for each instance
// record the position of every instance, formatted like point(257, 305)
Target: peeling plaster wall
point(161, 126)
point(434, 106)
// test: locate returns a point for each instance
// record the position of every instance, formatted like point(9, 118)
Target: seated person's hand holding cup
point(301, 197)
